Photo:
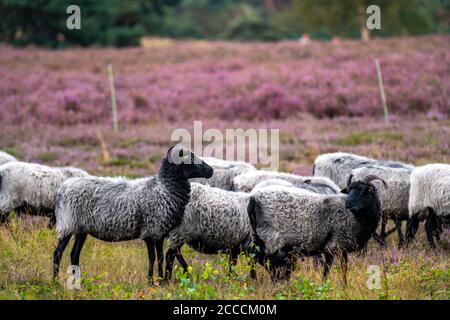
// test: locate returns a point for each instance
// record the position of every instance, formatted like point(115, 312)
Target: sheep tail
point(251, 210)
point(258, 246)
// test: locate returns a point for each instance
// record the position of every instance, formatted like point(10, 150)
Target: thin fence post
point(383, 95)
point(113, 98)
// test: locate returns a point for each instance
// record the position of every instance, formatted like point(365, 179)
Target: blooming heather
point(187, 80)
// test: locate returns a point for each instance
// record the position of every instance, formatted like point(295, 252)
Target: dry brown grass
point(118, 271)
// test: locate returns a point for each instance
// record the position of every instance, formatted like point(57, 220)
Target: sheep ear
point(344, 191)
point(174, 154)
point(349, 180)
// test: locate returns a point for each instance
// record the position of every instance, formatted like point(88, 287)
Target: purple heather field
point(55, 105)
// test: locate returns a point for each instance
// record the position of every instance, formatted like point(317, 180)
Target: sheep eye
point(370, 189)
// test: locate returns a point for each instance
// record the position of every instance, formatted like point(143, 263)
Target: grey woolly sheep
point(394, 199)
point(118, 209)
point(338, 165)
point(286, 221)
point(31, 188)
point(215, 220)
point(270, 182)
point(246, 182)
point(5, 157)
point(318, 185)
point(224, 172)
point(429, 199)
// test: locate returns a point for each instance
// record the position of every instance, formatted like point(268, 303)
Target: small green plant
point(197, 285)
point(301, 287)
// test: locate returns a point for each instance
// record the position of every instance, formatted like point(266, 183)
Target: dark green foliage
point(107, 22)
point(122, 23)
point(345, 18)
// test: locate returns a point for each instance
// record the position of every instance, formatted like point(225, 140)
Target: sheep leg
point(51, 222)
point(76, 250)
point(317, 261)
point(412, 226)
point(4, 217)
point(170, 258)
point(181, 260)
point(431, 228)
point(160, 253)
point(383, 231)
point(344, 266)
point(383, 234)
point(327, 265)
point(252, 268)
point(151, 258)
point(401, 238)
point(391, 231)
point(290, 266)
point(233, 260)
point(62, 244)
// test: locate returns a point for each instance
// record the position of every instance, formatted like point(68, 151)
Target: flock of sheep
point(217, 206)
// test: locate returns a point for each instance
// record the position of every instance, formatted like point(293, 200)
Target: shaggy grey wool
point(215, 220)
point(117, 209)
point(32, 185)
point(307, 221)
point(338, 166)
point(224, 172)
point(394, 198)
point(246, 182)
point(318, 185)
point(270, 182)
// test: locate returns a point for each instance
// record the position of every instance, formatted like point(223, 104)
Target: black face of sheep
point(362, 195)
point(188, 163)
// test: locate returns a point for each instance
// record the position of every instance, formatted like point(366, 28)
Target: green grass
point(47, 156)
point(118, 271)
point(365, 137)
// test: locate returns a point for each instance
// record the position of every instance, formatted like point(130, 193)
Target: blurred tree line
point(123, 23)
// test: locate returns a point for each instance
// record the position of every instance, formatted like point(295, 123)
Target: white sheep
point(5, 157)
point(31, 188)
point(394, 198)
point(429, 199)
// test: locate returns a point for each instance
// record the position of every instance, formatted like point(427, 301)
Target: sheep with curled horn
point(289, 221)
point(394, 200)
point(338, 165)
